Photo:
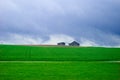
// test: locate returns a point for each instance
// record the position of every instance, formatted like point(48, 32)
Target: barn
point(74, 43)
point(61, 44)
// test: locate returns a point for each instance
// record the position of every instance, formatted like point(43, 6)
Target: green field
point(59, 63)
point(49, 70)
point(55, 53)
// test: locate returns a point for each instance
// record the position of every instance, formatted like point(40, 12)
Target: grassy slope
point(59, 70)
point(58, 63)
point(8, 52)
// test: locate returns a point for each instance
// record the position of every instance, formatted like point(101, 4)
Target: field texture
point(59, 63)
point(47, 53)
point(57, 70)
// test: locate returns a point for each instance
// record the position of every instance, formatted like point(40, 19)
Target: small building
point(74, 43)
point(61, 44)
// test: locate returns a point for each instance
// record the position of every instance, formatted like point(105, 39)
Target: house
point(61, 44)
point(74, 43)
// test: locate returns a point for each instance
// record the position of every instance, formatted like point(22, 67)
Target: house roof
point(61, 42)
point(74, 42)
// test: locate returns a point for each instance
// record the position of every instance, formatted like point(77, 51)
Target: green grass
point(59, 70)
point(58, 63)
point(40, 53)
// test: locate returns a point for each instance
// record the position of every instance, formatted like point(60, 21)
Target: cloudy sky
point(90, 22)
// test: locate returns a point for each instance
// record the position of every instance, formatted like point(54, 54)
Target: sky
point(90, 22)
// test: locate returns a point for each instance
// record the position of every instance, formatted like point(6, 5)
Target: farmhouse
point(74, 43)
point(61, 44)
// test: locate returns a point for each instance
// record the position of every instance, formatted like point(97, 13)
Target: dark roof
point(61, 42)
point(74, 43)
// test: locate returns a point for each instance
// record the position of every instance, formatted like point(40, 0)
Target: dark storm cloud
point(97, 21)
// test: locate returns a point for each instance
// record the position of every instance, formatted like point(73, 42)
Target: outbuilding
point(74, 43)
point(61, 44)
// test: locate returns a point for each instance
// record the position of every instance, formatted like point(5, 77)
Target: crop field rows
point(59, 63)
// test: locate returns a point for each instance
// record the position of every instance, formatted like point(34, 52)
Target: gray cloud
point(96, 21)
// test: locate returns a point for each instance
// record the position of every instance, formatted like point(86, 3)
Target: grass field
point(59, 63)
point(47, 53)
point(57, 70)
